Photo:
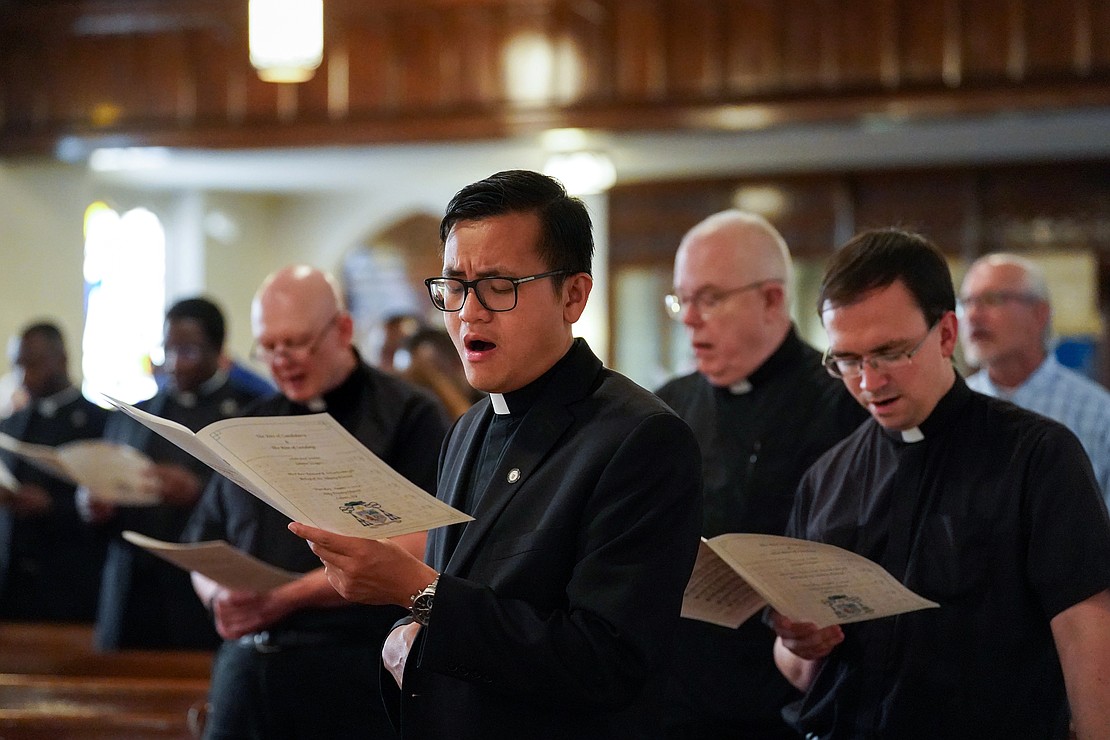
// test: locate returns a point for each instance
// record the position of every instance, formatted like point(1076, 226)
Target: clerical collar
point(740, 387)
point(517, 403)
point(343, 396)
point(188, 399)
point(500, 407)
point(913, 434)
point(946, 413)
point(47, 407)
point(786, 355)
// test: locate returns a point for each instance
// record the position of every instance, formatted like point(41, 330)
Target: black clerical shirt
point(509, 410)
point(993, 513)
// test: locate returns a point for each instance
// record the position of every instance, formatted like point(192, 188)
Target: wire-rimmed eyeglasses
point(993, 299)
point(495, 293)
point(707, 300)
point(851, 366)
point(298, 351)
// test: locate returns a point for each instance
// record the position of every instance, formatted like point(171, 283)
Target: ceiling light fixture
point(286, 38)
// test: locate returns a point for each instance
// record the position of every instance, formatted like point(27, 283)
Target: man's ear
point(774, 295)
point(949, 330)
point(576, 292)
point(345, 325)
point(1043, 313)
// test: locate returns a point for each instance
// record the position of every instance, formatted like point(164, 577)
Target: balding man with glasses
point(299, 660)
point(1006, 331)
point(987, 509)
point(763, 409)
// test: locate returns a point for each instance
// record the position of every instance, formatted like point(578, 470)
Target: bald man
point(1006, 331)
point(763, 409)
point(300, 661)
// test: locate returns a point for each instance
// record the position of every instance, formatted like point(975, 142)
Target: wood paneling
point(639, 37)
point(694, 47)
point(927, 34)
point(965, 211)
point(176, 72)
point(939, 204)
point(753, 62)
point(989, 32)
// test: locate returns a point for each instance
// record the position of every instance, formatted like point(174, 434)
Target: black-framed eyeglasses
point(707, 300)
point(298, 351)
point(494, 293)
point(851, 366)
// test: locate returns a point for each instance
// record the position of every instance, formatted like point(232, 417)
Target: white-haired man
point(1006, 332)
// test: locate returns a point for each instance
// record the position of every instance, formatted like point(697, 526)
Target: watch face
point(422, 607)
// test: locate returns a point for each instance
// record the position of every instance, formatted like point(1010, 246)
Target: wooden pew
point(54, 684)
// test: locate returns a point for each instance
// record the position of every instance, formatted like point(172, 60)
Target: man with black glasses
point(987, 509)
point(763, 409)
point(298, 661)
point(550, 615)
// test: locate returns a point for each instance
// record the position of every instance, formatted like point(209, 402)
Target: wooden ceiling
point(91, 73)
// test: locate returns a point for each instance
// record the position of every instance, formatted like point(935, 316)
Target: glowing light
point(286, 38)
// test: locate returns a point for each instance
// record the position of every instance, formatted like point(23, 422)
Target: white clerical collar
point(49, 406)
point(188, 399)
point(500, 407)
point(740, 387)
point(317, 405)
point(913, 434)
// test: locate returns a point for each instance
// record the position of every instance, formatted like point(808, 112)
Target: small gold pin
point(514, 475)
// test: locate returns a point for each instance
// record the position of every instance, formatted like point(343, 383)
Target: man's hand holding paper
point(370, 571)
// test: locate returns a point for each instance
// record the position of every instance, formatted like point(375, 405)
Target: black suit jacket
point(554, 612)
point(50, 565)
point(146, 603)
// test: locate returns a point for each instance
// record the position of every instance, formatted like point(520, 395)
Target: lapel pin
point(514, 475)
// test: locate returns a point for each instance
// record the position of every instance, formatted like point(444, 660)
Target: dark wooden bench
point(54, 684)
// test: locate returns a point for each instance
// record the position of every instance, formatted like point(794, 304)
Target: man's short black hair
point(204, 312)
point(48, 330)
point(874, 259)
point(566, 234)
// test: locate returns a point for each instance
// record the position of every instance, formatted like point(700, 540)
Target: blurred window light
point(125, 277)
point(129, 159)
point(768, 201)
point(286, 38)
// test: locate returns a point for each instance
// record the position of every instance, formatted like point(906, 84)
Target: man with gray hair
point(763, 409)
point(1006, 332)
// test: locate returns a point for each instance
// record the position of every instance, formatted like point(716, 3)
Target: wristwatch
point(421, 606)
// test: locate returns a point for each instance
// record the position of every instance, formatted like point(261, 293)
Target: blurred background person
point(13, 396)
point(396, 330)
point(1007, 333)
point(428, 358)
point(50, 560)
point(145, 602)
